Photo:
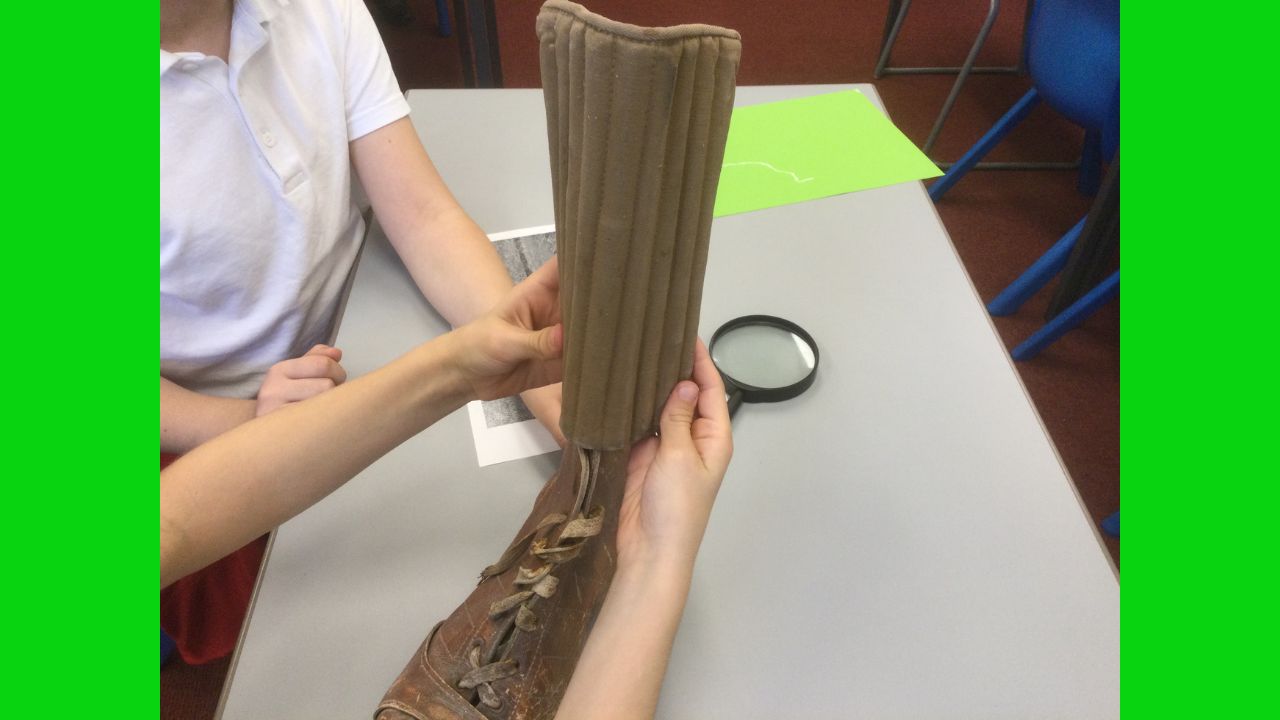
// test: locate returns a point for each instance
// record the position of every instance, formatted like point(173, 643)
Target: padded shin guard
point(637, 120)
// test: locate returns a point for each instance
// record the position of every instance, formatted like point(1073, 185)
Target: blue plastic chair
point(1068, 319)
point(1073, 55)
point(1101, 227)
point(166, 646)
point(1036, 276)
point(1111, 525)
point(442, 18)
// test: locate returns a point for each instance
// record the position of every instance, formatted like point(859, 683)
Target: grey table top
point(901, 541)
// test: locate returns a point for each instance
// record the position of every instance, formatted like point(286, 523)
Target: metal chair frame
point(894, 28)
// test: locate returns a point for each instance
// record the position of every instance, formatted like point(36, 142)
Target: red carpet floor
point(999, 221)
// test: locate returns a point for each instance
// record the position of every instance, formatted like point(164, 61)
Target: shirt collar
point(264, 10)
point(167, 60)
point(260, 10)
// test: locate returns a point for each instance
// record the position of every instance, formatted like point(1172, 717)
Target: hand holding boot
point(672, 481)
point(517, 344)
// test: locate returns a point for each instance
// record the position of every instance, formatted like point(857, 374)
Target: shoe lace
point(532, 584)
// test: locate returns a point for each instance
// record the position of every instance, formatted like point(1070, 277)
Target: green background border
point(1198, 615)
point(81, 126)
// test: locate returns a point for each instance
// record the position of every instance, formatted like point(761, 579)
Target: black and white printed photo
point(522, 255)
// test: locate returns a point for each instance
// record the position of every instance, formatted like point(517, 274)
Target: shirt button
point(188, 66)
point(268, 139)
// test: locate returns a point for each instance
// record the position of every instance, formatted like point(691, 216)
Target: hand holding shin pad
point(637, 120)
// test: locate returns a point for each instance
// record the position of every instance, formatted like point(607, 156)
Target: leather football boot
point(636, 121)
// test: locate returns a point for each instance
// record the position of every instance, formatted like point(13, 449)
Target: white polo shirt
point(258, 228)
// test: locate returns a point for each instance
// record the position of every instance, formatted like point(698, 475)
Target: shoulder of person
point(336, 11)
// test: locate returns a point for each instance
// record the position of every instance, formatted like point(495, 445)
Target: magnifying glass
point(763, 358)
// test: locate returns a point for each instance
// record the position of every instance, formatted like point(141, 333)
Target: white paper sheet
point(505, 429)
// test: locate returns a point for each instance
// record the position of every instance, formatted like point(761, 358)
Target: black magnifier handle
point(735, 401)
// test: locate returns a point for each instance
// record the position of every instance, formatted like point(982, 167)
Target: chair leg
point(1036, 276)
point(980, 149)
point(1090, 164)
point(1106, 291)
point(1026, 25)
point(443, 25)
point(898, 11)
point(961, 78)
point(890, 18)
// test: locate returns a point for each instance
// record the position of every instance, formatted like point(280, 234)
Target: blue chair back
point(1073, 55)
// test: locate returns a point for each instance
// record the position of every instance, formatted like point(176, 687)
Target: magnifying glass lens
point(763, 355)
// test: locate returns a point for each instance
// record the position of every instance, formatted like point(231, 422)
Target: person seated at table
point(251, 479)
point(266, 108)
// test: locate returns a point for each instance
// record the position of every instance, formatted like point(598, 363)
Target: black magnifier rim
point(751, 393)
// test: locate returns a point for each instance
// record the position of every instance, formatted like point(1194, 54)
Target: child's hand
point(517, 345)
point(672, 479)
point(290, 381)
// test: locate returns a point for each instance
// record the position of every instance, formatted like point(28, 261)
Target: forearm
point(477, 281)
point(625, 659)
point(249, 480)
point(188, 419)
point(454, 264)
point(448, 255)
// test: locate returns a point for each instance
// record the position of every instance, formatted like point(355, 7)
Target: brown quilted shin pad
point(637, 120)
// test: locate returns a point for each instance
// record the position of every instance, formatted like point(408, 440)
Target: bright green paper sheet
point(796, 150)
